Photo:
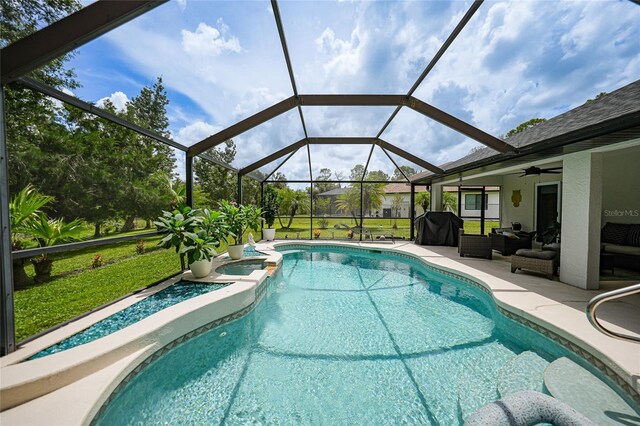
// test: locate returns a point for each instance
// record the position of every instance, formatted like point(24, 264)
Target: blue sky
point(221, 61)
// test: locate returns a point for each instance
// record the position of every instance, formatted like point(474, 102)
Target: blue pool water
point(244, 267)
point(170, 296)
point(340, 338)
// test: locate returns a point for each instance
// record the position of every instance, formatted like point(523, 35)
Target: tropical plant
point(48, 232)
point(199, 246)
point(174, 225)
point(423, 199)
point(238, 219)
point(349, 201)
point(396, 204)
point(271, 205)
point(323, 222)
point(450, 201)
point(178, 191)
point(292, 202)
point(213, 223)
point(24, 208)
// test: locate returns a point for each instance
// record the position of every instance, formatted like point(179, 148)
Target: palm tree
point(177, 191)
point(396, 205)
point(49, 232)
point(424, 199)
point(24, 208)
point(349, 202)
point(450, 201)
point(372, 196)
point(292, 202)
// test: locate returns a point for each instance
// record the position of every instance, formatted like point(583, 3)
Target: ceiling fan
point(535, 171)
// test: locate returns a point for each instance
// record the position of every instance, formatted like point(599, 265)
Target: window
point(474, 201)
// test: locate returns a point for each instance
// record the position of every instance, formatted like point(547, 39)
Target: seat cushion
point(633, 237)
point(615, 248)
point(545, 255)
point(615, 233)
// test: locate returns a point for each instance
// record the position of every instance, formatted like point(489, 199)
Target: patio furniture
point(474, 245)
point(545, 262)
point(438, 229)
point(509, 244)
point(622, 241)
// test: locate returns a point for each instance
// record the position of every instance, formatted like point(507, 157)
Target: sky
point(221, 61)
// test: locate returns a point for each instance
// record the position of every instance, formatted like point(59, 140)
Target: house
point(388, 209)
point(580, 169)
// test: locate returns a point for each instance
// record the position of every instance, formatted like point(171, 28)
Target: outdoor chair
point(545, 262)
point(474, 245)
point(508, 245)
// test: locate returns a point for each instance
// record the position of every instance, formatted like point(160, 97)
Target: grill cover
point(438, 229)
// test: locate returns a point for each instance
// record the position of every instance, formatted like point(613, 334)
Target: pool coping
point(98, 386)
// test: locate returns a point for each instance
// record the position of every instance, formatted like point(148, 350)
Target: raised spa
point(344, 337)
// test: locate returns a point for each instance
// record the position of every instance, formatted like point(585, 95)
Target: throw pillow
point(615, 233)
point(633, 237)
point(511, 235)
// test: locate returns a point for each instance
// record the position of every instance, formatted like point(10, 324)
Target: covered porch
point(583, 191)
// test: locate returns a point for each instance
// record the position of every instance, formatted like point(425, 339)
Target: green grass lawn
point(377, 226)
point(41, 306)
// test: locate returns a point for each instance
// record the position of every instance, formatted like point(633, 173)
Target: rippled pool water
point(170, 296)
point(341, 338)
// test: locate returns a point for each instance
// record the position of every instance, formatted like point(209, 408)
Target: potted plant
point(271, 205)
point(238, 219)
point(174, 225)
point(350, 234)
point(316, 233)
point(200, 249)
point(200, 246)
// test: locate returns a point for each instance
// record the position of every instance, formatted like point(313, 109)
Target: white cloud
point(256, 99)
point(506, 66)
point(195, 132)
point(182, 4)
point(118, 99)
point(210, 41)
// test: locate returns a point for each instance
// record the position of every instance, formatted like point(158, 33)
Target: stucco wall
point(620, 186)
point(525, 212)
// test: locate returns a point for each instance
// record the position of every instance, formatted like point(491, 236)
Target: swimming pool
point(176, 293)
point(343, 337)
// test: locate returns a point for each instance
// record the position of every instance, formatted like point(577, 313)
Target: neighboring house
point(581, 171)
point(387, 209)
point(471, 201)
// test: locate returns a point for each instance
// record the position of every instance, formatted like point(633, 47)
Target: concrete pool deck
point(555, 306)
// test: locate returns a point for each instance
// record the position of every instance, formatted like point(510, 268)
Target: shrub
point(140, 247)
point(97, 261)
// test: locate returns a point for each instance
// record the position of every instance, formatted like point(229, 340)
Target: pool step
point(524, 372)
point(573, 385)
point(475, 390)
